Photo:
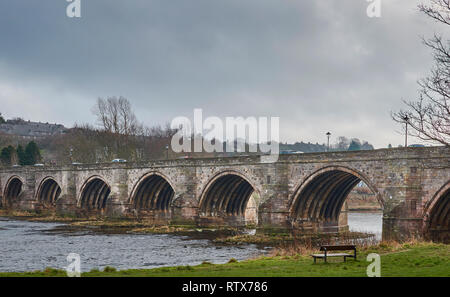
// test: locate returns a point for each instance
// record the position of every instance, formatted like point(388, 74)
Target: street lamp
point(406, 119)
point(167, 151)
point(71, 154)
point(328, 141)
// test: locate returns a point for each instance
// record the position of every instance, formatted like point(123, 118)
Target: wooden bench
point(327, 248)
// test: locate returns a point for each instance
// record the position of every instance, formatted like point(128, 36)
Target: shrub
point(187, 267)
point(51, 271)
point(109, 269)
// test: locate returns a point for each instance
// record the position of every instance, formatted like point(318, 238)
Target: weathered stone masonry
point(302, 192)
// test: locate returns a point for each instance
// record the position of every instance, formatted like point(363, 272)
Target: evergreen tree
point(366, 146)
point(21, 155)
point(354, 145)
point(32, 153)
point(6, 155)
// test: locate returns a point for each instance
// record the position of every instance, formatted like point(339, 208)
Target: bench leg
point(314, 260)
point(345, 258)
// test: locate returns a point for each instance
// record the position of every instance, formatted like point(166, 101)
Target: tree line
point(342, 144)
point(118, 134)
point(29, 155)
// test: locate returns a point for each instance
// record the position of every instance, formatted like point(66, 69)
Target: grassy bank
point(408, 259)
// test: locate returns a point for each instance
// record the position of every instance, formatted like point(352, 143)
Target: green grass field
point(413, 259)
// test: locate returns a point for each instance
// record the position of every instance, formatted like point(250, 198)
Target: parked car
point(289, 152)
point(119, 161)
point(39, 165)
point(416, 145)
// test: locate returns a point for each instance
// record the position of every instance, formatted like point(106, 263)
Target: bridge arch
point(153, 191)
point(13, 189)
point(227, 194)
point(321, 195)
point(94, 193)
point(437, 215)
point(48, 191)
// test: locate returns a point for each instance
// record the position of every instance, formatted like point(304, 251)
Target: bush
point(109, 269)
point(51, 271)
point(187, 267)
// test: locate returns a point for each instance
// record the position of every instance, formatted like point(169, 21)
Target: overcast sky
point(318, 65)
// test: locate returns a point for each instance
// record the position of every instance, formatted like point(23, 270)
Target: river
point(369, 222)
point(27, 246)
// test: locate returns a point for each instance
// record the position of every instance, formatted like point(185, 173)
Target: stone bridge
point(302, 192)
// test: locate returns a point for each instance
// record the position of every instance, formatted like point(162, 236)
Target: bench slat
point(337, 247)
point(331, 255)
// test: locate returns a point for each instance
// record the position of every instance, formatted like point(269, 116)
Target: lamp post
point(406, 119)
point(328, 141)
point(71, 155)
point(167, 152)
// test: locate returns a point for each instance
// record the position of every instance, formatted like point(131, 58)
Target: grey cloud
point(319, 65)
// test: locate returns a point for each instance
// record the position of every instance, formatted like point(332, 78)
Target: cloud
point(319, 65)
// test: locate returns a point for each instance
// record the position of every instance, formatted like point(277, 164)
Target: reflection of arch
point(12, 190)
point(227, 192)
point(321, 195)
point(48, 191)
point(437, 212)
point(94, 193)
point(152, 191)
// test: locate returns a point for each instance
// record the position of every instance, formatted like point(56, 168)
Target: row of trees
point(352, 144)
point(118, 134)
point(343, 144)
point(11, 155)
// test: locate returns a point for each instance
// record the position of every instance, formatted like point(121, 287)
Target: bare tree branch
point(429, 116)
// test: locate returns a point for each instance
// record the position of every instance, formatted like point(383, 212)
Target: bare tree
point(438, 10)
point(128, 123)
point(429, 116)
point(115, 115)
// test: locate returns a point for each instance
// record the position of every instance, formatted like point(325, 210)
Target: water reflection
point(369, 222)
point(26, 246)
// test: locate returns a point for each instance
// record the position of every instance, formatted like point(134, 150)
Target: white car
point(119, 161)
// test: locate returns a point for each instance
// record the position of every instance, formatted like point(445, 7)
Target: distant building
point(29, 129)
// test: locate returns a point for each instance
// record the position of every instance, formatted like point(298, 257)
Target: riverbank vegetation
point(413, 258)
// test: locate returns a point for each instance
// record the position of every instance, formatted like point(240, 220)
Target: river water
point(369, 222)
point(27, 246)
